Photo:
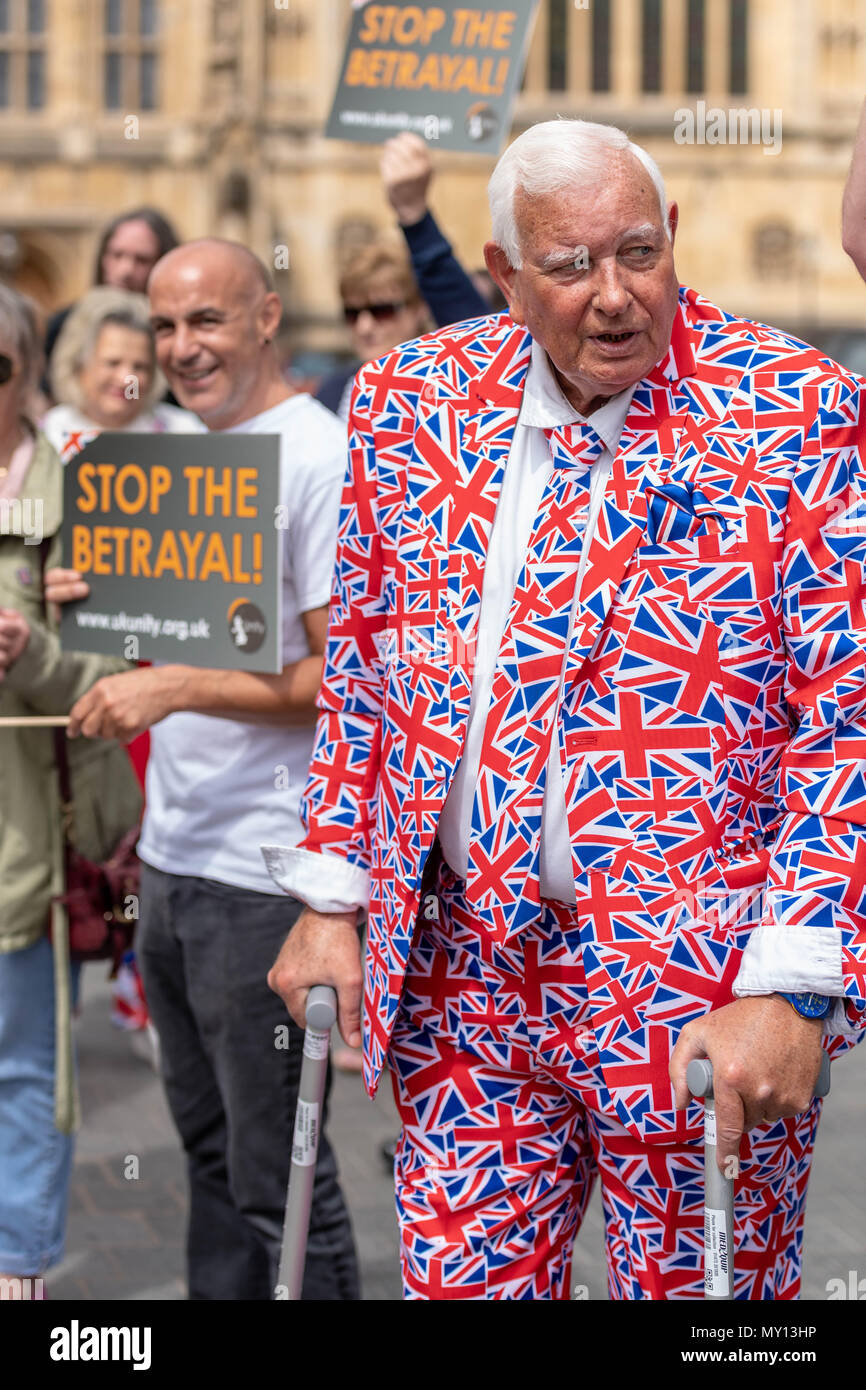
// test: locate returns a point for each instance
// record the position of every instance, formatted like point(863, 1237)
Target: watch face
point(812, 1005)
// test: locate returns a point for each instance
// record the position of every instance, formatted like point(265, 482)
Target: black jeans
point(205, 949)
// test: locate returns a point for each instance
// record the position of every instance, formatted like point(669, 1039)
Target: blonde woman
point(104, 374)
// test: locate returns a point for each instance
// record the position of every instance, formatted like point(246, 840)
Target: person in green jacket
point(38, 1110)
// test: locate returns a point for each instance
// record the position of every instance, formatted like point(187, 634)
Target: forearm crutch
point(321, 1013)
point(718, 1189)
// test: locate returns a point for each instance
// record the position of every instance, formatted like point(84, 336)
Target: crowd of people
point(485, 881)
point(201, 319)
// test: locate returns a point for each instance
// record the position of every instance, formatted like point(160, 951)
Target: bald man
point(229, 756)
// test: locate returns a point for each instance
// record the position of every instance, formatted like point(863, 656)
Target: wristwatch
point(808, 1005)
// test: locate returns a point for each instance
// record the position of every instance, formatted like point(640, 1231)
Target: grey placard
point(178, 537)
point(448, 72)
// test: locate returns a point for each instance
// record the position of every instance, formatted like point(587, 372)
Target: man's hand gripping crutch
point(758, 1061)
point(719, 1251)
point(318, 976)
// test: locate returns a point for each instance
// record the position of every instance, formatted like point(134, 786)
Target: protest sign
point(448, 72)
point(179, 538)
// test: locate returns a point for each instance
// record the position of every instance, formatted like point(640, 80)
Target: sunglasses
point(380, 312)
point(7, 368)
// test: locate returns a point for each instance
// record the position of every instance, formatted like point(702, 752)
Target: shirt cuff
point(325, 882)
point(796, 960)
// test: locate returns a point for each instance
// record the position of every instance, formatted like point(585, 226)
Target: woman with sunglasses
point(37, 1087)
point(382, 307)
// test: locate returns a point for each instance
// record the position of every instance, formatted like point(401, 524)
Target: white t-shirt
point(219, 788)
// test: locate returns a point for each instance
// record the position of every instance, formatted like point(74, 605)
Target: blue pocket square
point(680, 512)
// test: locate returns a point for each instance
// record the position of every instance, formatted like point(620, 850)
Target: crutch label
point(316, 1044)
point(717, 1253)
point(709, 1124)
point(306, 1136)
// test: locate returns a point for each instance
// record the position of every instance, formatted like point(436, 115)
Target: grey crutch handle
point(321, 1014)
point(718, 1189)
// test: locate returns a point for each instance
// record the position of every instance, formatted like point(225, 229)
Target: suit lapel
point(466, 429)
point(656, 430)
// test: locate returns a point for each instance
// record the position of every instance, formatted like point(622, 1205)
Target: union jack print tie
point(503, 876)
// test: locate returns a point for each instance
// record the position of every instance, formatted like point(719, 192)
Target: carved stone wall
point(235, 148)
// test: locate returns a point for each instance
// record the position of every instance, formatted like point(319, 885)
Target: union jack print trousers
point(507, 1124)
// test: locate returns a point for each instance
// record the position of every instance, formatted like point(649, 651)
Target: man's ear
point(270, 314)
point(673, 220)
point(503, 273)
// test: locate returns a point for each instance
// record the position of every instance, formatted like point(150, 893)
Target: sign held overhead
point(448, 72)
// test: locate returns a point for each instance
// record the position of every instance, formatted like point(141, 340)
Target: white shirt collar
point(545, 406)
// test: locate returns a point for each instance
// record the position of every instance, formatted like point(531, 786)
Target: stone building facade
point(213, 110)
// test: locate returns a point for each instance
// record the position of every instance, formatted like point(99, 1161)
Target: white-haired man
point(592, 705)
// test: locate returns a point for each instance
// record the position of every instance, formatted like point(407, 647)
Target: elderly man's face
point(604, 327)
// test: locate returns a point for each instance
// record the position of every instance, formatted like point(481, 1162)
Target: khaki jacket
point(46, 680)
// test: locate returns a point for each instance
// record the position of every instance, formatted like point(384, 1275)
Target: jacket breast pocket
point(694, 551)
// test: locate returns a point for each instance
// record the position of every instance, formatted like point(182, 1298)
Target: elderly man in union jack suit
point(591, 751)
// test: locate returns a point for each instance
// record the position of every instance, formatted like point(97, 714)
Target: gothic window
point(22, 54)
point(601, 45)
point(651, 46)
point(557, 45)
point(131, 63)
point(739, 56)
point(695, 35)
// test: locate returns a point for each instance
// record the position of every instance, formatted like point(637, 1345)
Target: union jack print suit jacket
point(715, 691)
